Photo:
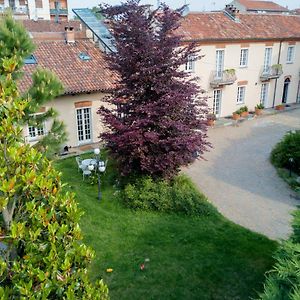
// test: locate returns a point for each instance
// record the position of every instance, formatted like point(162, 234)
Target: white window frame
point(290, 54)
point(267, 58)
point(38, 131)
point(220, 53)
point(190, 64)
point(217, 98)
point(244, 57)
point(84, 140)
point(264, 93)
point(241, 92)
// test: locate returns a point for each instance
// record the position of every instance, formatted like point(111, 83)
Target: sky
point(195, 5)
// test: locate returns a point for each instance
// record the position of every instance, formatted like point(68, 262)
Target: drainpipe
point(275, 87)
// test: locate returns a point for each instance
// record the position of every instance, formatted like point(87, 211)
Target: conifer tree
point(15, 43)
point(159, 123)
point(44, 256)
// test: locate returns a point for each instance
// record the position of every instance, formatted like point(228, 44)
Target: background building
point(37, 9)
point(248, 58)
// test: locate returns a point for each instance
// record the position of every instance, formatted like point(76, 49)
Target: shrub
point(260, 106)
point(178, 195)
point(283, 281)
point(288, 147)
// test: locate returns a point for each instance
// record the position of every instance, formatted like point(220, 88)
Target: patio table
point(89, 161)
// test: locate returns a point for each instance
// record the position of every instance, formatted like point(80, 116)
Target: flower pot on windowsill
point(235, 116)
point(279, 107)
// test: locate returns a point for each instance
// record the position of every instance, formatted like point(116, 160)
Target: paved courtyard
point(239, 179)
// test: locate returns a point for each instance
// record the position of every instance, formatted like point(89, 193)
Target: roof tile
point(76, 75)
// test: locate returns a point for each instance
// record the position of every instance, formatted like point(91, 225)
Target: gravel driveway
point(239, 179)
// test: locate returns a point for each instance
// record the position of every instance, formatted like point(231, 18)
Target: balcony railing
point(220, 78)
point(61, 11)
point(271, 72)
point(16, 10)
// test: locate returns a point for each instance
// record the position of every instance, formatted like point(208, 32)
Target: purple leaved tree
point(158, 120)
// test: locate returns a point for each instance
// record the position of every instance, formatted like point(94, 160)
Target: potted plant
point(277, 68)
point(211, 118)
point(258, 109)
point(279, 107)
point(244, 111)
point(236, 115)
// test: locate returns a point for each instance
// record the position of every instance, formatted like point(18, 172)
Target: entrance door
point(84, 125)
point(285, 90)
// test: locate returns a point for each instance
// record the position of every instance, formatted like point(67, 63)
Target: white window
point(264, 94)
point(219, 63)
point(190, 64)
point(35, 132)
point(268, 59)
point(241, 94)
point(244, 57)
point(290, 54)
point(84, 125)
point(217, 102)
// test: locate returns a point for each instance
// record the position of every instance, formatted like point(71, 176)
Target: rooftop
point(49, 26)
point(77, 75)
point(262, 5)
point(216, 26)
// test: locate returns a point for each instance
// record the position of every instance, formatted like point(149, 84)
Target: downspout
point(275, 87)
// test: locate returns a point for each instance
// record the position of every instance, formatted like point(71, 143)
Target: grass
point(190, 257)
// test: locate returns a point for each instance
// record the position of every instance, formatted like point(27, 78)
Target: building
point(81, 67)
point(248, 58)
point(37, 9)
point(252, 6)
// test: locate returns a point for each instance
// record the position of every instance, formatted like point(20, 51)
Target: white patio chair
point(79, 163)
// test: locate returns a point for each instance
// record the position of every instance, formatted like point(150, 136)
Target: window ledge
point(243, 67)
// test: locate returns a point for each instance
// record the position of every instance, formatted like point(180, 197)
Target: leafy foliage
point(178, 195)
point(283, 282)
point(15, 46)
point(288, 147)
point(158, 121)
point(45, 257)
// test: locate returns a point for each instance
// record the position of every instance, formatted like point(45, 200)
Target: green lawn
point(190, 257)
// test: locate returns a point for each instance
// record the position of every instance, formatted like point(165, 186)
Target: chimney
point(70, 35)
point(232, 12)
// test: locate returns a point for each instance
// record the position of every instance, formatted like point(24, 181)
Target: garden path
point(239, 180)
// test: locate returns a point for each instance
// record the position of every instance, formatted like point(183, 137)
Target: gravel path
point(239, 179)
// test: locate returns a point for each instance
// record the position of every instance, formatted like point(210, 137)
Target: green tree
point(44, 257)
point(16, 44)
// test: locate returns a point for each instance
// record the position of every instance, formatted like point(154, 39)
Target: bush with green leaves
point(288, 147)
point(45, 257)
point(177, 195)
point(283, 281)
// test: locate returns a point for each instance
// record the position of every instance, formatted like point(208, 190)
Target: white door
point(264, 94)
point(217, 102)
point(219, 63)
point(84, 130)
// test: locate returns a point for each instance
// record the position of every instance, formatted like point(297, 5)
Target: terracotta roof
point(49, 26)
point(214, 26)
point(262, 5)
point(77, 76)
